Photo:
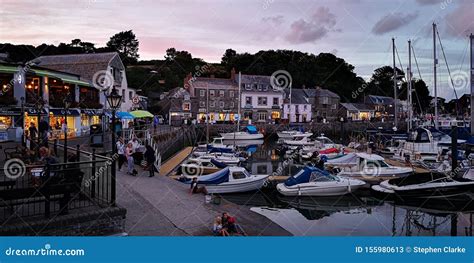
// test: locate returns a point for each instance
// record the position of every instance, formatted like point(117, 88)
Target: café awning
point(124, 115)
point(141, 114)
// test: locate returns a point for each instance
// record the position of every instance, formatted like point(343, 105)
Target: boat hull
point(320, 189)
point(256, 183)
point(241, 136)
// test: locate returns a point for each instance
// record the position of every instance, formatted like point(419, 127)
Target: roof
point(85, 65)
point(374, 99)
point(298, 96)
point(356, 107)
point(320, 92)
point(201, 82)
point(255, 79)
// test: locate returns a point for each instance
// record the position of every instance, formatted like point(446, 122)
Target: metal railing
point(52, 189)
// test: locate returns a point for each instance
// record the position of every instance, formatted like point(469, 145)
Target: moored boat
point(249, 133)
point(231, 180)
point(311, 181)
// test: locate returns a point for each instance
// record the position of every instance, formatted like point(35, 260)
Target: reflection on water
point(354, 215)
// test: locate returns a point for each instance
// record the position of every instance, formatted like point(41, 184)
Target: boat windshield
point(325, 140)
point(218, 141)
point(376, 163)
point(318, 177)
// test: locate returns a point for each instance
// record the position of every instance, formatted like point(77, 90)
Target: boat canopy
point(215, 178)
point(218, 164)
point(251, 129)
point(304, 175)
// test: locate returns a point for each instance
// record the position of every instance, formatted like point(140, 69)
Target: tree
point(126, 44)
point(228, 56)
point(381, 82)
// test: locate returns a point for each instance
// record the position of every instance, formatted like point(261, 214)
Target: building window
point(231, 104)
point(130, 95)
point(248, 100)
point(334, 106)
point(231, 94)
point(202, 93)
point(324, 100)
point(212, 93)
point(276, 101)
point(305, 107)
point(262, 101)
point(221, 104)
point(260, 87)
point(262, 116)
point(187, 106)
point(202, 104)
point(248, 87)
point(275, 115)
point(212, 104)
point(123, 95)
point(221, 93)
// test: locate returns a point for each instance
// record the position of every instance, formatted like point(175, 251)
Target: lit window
point(187, 106)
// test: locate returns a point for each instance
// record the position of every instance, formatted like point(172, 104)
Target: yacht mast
point(472, 83)
point(394, 84)
point(289, 110)
point(435, 62)
point(238, 105)
point(409, 94)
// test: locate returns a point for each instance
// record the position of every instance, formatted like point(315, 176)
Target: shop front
point(59, 118)
point(90, 117)
point(10, 120)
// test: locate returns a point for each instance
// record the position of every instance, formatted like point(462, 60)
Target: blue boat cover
point(215, 178)
point(218, 164)
point(218, 150)
point(304, 175)
point(251, 129)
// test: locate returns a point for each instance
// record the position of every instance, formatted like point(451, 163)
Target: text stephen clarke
point(428, 250)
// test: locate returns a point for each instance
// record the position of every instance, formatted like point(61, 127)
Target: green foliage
point(126, 43)
point(381, 82)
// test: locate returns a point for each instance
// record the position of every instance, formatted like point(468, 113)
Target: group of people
point(224, 225)
point(126, 154)
point(42, 132)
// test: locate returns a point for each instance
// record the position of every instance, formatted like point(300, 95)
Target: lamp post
point(114, 100)
point(39, 105)
point(67, 104)
point(23, 141)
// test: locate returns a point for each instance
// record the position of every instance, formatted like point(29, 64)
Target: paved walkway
point(163, 206)
point(174, 161)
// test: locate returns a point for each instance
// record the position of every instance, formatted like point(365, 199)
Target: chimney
point(232, 74)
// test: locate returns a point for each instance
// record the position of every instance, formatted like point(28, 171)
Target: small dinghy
point(231, 180)
point(425, 185)
point(311, 181)
point(225, 158)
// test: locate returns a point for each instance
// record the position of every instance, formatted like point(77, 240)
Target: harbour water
point(357, 214)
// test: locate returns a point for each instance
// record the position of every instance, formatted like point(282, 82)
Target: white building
point(299, 111)
point(259, 101)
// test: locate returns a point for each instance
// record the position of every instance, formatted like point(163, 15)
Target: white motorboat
point(195, 167)
point(293, 134)
point(426, 185)
point(425, 145)
point(311, 181)
point(326, 143)
point(218, 145)
point(231, 180)
point(243, 143)
point(304, 141)
point(249, 133)
point(226, 158)
point(367, 167)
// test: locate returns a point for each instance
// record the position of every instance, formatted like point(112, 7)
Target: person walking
point(121, 153)
point(150, 159)
point(130, 164)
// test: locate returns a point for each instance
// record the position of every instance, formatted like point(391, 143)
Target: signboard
point(135, 100)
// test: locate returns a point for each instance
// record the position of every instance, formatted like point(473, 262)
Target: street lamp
point(67, 103)
point(23, 141)
point(114, 100)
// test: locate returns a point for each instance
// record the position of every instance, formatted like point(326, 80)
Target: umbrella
point(141, 114)
point(124, 115)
